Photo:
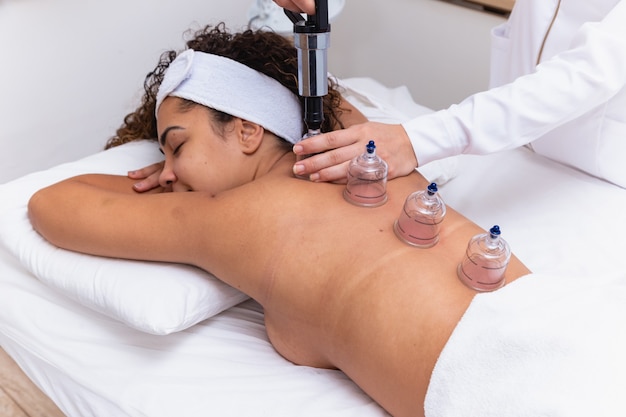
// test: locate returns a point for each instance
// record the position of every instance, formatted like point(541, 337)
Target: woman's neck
point(274, 159)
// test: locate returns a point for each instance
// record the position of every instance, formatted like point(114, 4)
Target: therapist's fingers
point(329, 166)
point(336, 149)
point(337, 174)
point(331, 152)
point(332, 172)
point(331, 140)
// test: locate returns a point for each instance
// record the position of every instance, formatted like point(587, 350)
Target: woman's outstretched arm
point(101, 215)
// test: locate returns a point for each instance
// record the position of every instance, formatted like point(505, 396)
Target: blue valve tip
point(495, 231)
point(370, 146)
point(432, 188)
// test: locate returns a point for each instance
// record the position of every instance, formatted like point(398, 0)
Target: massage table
point(95, 357)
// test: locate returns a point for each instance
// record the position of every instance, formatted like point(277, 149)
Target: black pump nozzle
point(312, 39)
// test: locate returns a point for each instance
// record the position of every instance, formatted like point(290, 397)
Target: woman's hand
point(339, 147)
point(148, 177)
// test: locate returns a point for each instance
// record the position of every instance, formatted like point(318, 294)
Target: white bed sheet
point(556, 219)
point(91, 365)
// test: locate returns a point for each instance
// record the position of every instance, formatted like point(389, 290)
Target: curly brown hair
point(264, 51)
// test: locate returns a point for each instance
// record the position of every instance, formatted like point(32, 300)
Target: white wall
point(71, 69)
point(439, 50)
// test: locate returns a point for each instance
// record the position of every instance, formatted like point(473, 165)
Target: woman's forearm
point(86, 214)
point(58, 212)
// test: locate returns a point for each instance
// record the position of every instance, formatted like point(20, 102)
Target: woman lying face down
point(339, 289)
point(268, 53)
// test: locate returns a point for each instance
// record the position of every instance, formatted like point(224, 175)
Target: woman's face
point(197, 158)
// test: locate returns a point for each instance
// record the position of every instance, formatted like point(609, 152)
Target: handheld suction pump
point(312, 39)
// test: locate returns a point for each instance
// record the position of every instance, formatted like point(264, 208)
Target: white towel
point(541, 346)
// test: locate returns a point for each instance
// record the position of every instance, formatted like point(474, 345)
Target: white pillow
point(153, 297)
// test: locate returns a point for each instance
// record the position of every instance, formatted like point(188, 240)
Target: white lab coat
point(571, 107)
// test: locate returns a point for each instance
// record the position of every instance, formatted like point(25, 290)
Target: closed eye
point(163, 137)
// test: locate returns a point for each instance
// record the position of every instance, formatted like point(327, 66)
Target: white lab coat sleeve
point(561, 89)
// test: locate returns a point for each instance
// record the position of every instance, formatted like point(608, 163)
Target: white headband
point(231, 87)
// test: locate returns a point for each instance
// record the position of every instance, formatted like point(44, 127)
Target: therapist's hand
point(339, 147)
point(147, 177)
point(306, 6)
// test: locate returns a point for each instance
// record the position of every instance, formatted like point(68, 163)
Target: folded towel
point(541, 346)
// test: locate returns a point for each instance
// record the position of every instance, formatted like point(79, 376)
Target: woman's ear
point(250, 136)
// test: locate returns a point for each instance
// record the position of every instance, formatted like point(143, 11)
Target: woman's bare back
point(338, 287)
point(340, 290)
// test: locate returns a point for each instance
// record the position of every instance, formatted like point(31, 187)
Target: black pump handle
point(317, 23)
